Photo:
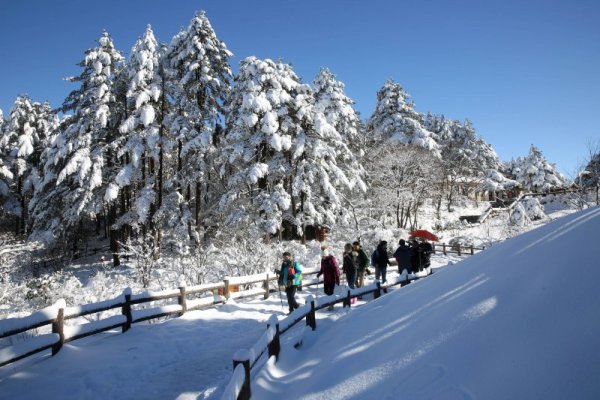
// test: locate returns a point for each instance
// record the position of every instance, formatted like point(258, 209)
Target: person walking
point(425, 249)
point(350, 265)
point(331, 273)
point(362, 264)
point(381, 261)
point(403, 256)
point(415, 258)
point(289, 277)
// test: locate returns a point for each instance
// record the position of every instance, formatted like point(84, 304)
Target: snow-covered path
point(186, 358)
point(182, 358)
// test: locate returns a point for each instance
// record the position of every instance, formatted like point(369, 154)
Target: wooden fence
point(460, 250)
point(269, 343)
point(128, 310)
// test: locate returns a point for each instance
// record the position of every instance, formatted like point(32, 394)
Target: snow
point(38, 317)
point(518, 320)
point(94, 326)
point(24, 348)
point(502, 324)
point(147, 115)
point(90, 308)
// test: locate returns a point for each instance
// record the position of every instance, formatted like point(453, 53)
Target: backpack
point(363, 260)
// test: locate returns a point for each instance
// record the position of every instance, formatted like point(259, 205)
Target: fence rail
point(182, 300)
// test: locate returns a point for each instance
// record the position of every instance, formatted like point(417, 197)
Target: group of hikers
point(413, 257)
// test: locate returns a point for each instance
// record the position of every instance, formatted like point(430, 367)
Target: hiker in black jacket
point(382, 260)
point(403, 256)
point(425, 249)
point(415, 259)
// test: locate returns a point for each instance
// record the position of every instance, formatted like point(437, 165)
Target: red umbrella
point(423, 233)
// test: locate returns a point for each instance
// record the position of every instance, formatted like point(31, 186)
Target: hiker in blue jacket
point(289, 277)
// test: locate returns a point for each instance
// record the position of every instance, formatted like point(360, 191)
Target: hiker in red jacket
point(330, 271)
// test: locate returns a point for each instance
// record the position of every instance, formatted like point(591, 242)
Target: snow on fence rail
point(188, 299)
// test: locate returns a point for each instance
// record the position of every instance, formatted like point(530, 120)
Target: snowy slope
point(518, 321)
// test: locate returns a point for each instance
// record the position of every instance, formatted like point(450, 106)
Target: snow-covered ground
point(518, 320)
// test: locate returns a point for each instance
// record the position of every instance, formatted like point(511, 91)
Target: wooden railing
point(53, 319)
point(460, 250)
point(269, 343)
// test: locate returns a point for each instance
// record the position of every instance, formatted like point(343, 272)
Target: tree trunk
point(198, 201)
point(302, 197)
point(114, 235)
point(20, 196)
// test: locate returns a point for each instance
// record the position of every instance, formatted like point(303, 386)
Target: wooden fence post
point(274, 345)
point(182, 300)
point(266, 286)
point(58, 326)
point(433, 247)
point(346, 302)
point(445, 249)
point(245, 392)
point(459, 249)
point(126, 311)
point(226, 289)
point(311, 318)
point(472, 251)
point(377, 293)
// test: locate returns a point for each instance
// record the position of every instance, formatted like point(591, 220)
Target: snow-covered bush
point(46, 289)
point(536, 174)
point(526, 211)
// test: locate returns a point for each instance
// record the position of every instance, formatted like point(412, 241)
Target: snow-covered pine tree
point(74, 180)
point(6, 175)
point(396, 121)
point(140, 145)
point(536, 174)
point(256, 150)
point(199, 83)
point(318, 155)
point(348, 137)
point(27, 134)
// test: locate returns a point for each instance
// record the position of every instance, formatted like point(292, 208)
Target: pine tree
point(6, 175)
point(199, 82)
point(536, 174)
point(139, 146)
point(347, 135)
point(257, 151)
point(27, 134)
point(74, 181)
point(396, 121)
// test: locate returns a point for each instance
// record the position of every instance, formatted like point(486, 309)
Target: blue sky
point(523, 72)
